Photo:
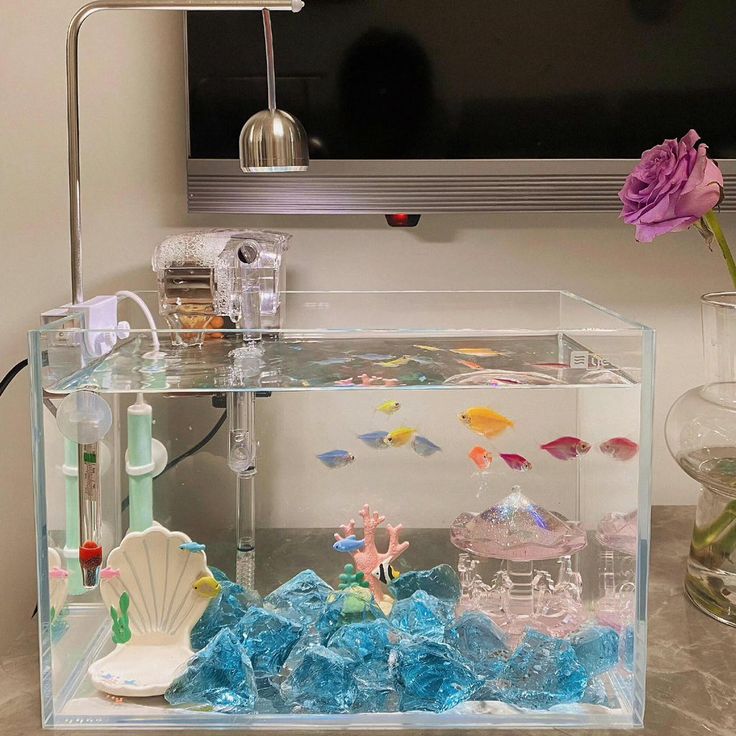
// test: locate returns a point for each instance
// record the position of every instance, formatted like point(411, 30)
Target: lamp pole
point(72, 94)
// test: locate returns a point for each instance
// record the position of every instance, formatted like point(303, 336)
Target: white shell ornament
point(148, 586)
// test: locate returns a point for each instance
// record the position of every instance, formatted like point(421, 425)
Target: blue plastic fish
point(374, 439)
point(374, 356)
point(192, 547)
point(333, 361)
point(422, 360)
point(336, 458)
point(424, 447)
point(349, 544)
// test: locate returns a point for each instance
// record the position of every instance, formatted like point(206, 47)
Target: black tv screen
point(471, 79)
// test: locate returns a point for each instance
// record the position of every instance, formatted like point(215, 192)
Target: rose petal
point(646, 232)
point(699, 201)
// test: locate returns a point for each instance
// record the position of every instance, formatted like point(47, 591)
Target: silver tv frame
point(418, 186)
point(375, 186)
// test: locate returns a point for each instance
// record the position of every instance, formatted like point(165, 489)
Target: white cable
point(146, 312)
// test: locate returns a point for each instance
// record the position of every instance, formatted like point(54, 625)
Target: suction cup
point(84, 417)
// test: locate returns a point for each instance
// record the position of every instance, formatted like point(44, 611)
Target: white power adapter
point(100, 320)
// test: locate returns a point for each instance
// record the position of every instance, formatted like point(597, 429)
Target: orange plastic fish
point(470, 364)
point(481, 457)
point(485, 421)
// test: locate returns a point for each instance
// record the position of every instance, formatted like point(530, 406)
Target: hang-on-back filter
point(209, 274)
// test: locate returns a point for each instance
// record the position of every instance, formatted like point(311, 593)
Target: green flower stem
point(711, 220)
point(706, 536)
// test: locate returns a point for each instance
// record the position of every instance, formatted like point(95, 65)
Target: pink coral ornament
point(368, 559)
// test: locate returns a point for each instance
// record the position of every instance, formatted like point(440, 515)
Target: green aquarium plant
point(120, 622)
point(350, 579)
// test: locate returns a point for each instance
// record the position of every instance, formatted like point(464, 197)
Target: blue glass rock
point(370, 645)
point(301, 598)
point(224, 611)
point(219, 677)
point(320, 680)
point(596, 694)
point(542, 672)
point(422, 615)
point(441, 582)
point(480, 640)
point(596, 648)
point(432, 676)
point(268, 639)
point(364, 641)
point(343, 607)
point(376, 687)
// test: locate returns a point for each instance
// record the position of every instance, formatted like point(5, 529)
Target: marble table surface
point(691, 681)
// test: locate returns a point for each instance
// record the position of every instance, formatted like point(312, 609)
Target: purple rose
point(671, 188)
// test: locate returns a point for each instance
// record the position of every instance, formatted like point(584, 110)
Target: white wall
point(134, 177)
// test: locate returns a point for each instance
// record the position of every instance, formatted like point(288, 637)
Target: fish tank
point(386, 510)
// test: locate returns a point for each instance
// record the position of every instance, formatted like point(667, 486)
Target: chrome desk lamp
point(272, 140)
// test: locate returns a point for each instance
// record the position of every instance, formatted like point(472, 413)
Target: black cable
point(11, 374)
point(195, 448)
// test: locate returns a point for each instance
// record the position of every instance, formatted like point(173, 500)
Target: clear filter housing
point(395, 510)
point(207, 275)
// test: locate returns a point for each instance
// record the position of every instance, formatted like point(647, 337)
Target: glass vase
point(701, 435)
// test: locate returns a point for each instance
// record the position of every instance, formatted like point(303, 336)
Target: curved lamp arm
point(72, 94)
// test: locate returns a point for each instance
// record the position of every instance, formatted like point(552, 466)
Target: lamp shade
point(272, 141)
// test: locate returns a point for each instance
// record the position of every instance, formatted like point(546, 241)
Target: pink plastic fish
point(566, 448)
point(57, 573)
point(109, 573)
point(367, 380)
point(619, 448)
point(515, 462)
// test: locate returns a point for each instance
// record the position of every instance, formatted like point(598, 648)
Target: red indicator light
point(402, 219)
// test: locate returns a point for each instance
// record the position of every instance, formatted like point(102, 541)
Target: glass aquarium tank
point(396, 510)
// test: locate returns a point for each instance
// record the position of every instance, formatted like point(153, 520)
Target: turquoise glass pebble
point(268, 639)
point(432, 676)
point(441, 581)
point(301, 598)
point(320, 680)
point(542, 672)
point(422, 615)
point(219, 677)
point(367, 641)
point(596, 648)
point(480, 640)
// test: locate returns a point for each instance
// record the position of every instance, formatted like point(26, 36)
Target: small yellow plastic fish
point(207, 587)
point(389, 407)
point(485, 421)
point(477, 352)
point(430, 348)
point(399, 437)
point(396, 363)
